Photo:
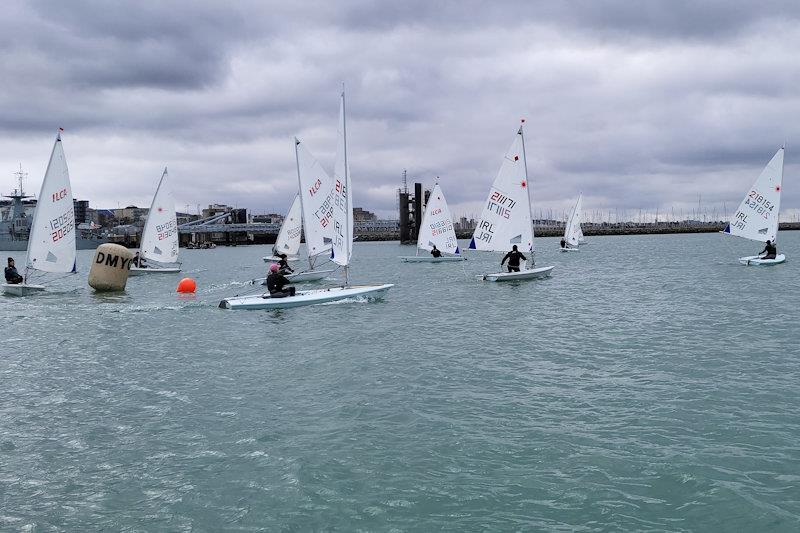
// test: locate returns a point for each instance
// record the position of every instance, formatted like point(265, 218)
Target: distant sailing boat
point(572, 231)
point(288, 241)
point(437, 230)
point(159, 245)
point(331, 211)
point(51, 245)
point(757, 216)
point(506, 219)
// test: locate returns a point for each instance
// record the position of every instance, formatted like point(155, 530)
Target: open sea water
point(652, 384)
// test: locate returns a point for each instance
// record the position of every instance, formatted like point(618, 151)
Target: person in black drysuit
point(276, 282)
point(435, 252)
point(770, 250)
point(514, 257)
point(139, 261)
point(12, 276)
point(283, 265)
point(563, 243)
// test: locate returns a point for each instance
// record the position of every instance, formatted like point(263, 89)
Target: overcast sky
point(637, 104)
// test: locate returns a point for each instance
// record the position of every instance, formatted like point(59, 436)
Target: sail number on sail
point(62, 225)
point(759, 204)
point(167, 229)
point(325, 212)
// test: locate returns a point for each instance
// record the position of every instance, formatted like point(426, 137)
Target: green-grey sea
point(652, 384)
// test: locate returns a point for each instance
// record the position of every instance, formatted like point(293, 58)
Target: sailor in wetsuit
point(12, 276)
point(513, 257)
point(276, 283)
point(139, 261)
point(563, 243)
point(770, 251)
point(435, 252)
point(283, 265)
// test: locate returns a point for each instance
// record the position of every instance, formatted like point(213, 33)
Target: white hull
point(568, 249)
point(136, 271)
point(311, 275)
point(21, 289)
point(534, 273)
point(273, 259)
point(302, 298)
point(756, 260)
point(431, 259)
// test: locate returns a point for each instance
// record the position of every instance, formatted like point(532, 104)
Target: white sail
point(572, 232)
point(316, 199)
point(288, 241)
point(437, 225)
point(757, 216)
point(160, 234)
point(342, 248)
point(506, 217)
point(51, 246)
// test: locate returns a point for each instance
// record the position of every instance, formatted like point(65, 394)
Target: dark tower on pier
point(412, 207)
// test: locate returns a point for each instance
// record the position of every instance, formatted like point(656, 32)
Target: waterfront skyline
point(638, 106)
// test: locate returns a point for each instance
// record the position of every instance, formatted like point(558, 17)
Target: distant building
point(412, 207)
point(360, 215)
point(269, 218)
point(81, 211)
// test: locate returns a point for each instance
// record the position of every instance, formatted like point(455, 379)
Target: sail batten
point(757, 216)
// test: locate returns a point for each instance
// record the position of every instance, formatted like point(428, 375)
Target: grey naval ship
point(16, 217)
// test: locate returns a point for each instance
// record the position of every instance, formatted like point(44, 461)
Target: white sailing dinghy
point(572, 232)
point(159, 246)
point(334, 218)
point(51, 244)
point(757, 216)
point(288, 241)
point(437, 230)
point(506, 219)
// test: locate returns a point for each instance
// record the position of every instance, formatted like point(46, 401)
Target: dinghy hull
point(569, 249)
point(136, 271)
point(534, 273)
point(755, 260)
point(21, 289)
point(431, 259)
point(303, 298)
point(274, 259)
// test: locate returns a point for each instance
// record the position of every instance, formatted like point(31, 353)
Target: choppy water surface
point(651, 384)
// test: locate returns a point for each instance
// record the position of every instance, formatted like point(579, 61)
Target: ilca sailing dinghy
point(506, 219)
point(159, 246)
point(335, 215)
point(288, 241)
point(757, 216)
point(572, 231)
point(51, 244)
point(437, 230)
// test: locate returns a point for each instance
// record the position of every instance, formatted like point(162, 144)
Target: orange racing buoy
point(186, 285)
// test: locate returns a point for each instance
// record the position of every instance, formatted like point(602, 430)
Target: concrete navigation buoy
point(186, 286)
point(110, 267)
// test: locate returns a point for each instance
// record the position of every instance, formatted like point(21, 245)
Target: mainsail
point(288, 241)
point(757, 215)
point(160, 234)
point(316, 199)
point(506, 217)
point(437, 225)
point(51, 246)
point(572, 232)
point(342, 246)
